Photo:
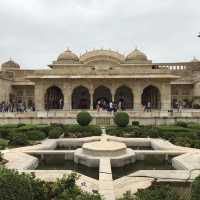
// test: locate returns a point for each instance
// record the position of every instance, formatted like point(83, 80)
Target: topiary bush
point(121, 119)
point(182, 124)
point(36, 135)
point(18, 138)
point(15, 186)
point(55, 132)
point(84, 118)
point(3, 144)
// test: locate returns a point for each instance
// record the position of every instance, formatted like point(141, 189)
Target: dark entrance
point(54, 98)
point(125, 95)
point(151, 94)
point(80, 98)
point(102, 93)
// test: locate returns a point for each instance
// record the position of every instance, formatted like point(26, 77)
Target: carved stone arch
point(54, 98)
point(80, 98)
point(151, 94)
point(102, 93)
point(124, 96)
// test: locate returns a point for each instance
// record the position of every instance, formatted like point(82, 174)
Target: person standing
point(148, 106)
point(111, 107)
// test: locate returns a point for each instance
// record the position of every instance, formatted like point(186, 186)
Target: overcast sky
point(34, 32)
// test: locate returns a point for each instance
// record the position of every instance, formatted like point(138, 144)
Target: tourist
point(148, 106)
point(15, 107)
point(110, 107)
point(98, 107)
point(120, 105)
point(180, 106)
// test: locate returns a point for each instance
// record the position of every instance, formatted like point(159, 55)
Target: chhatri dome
point(10, 65)
point(136, 56)
point(67, 57)
point(195, 59)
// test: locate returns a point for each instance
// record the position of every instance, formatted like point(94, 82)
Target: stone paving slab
point(105, 179)
point(130, 184)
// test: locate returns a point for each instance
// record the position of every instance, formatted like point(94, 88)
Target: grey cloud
point(34, 32)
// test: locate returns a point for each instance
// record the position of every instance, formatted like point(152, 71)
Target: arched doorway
point(80, 98)
point(151, 94)
point(102, 93)
point(54, 98)
point(125, 96)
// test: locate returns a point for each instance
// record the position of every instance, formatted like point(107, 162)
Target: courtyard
point(111, 160)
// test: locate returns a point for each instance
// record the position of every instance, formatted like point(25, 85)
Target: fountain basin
point(104, 148)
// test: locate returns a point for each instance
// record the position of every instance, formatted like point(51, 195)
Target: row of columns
point(41, 87)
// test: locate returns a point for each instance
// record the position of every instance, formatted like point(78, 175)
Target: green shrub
point(26, 127)
point(18, 138)
point(65, 188)
point(36, 135)
point(84, 118)
point(76, 130)
point(5, 132)
point(55, 132)
point(43, 127)
point(196, 189)
point(182, 124)
point(10, 126)
point(135, 123)
point(1, 157)
point(15, 186)
point(20, 186)
point(121, 119)
point(3, 144)
point(157, 193)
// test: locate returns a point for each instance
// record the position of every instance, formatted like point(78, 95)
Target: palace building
point(77, 82)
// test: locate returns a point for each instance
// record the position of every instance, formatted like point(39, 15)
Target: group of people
point(15, 107)
point(103, 105)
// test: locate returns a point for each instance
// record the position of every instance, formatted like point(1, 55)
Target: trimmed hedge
point(18, 138)
point(55, 132)
point(121, 119)
point(84, 118)
point(3, 144)
point(76, 130)
point(188, 137)
point(182, 124)
point(36, 135)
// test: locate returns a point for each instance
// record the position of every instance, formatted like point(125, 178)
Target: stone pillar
point(113, 93)
point(91, 99)
point(68, 96)
point(165, 96)
point(39, 96)
point(137, 98)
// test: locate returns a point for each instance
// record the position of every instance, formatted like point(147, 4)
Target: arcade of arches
point(82, 99)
